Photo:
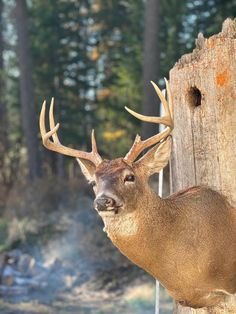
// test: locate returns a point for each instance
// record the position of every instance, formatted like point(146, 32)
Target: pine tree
point(27, 90)
point(151, 63)
point(119, 37)
point(3, 116)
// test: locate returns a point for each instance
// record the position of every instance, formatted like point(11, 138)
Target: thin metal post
point(160, 193)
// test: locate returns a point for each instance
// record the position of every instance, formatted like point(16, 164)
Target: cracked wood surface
point(204, 136)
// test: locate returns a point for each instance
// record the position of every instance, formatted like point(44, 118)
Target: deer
point(187, 241)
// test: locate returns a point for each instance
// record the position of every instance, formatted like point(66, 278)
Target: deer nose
point(103, 203)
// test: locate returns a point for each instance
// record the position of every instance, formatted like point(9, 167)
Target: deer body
point(186, 241)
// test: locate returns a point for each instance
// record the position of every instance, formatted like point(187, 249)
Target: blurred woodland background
point(94, 57)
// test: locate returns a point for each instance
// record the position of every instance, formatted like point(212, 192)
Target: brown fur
point(186, 241)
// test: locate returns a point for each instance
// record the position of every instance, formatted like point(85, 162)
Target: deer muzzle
point(105, 203)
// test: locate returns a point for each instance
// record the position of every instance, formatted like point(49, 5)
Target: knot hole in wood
point(194, 97)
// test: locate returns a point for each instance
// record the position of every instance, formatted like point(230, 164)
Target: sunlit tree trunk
point(151, 63)
point(29, 120)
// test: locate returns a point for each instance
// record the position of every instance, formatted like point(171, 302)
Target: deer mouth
point(112, 210)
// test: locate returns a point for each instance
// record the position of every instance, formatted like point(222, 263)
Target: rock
point(25, 263)
point(8, 276)
point(13, 256)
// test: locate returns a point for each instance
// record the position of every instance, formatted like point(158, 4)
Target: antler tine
point(55, 144)
point(94, 144)
point(45, 135)
point(140, 145)
point(52, 122)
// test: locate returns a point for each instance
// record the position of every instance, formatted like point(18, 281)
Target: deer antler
point(139, 145)
point(55, 144)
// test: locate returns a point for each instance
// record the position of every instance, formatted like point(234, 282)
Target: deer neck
point(132, 230)
point(134, 220)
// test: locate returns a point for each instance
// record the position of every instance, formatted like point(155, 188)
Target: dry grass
point(24, 308)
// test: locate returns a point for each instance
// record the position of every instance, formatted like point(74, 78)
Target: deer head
point(116, 182)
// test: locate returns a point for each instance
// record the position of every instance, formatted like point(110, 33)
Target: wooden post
point(203, 85)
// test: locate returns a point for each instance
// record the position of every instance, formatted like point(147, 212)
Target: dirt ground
point(136, 299)
point(90, 277)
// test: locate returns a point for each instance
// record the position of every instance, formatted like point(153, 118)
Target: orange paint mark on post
point(222, 78)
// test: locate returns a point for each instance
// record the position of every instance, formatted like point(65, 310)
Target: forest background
point(94, 57)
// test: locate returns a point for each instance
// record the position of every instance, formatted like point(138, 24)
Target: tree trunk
point(203, 85)
point(58, 86)
point(3, 120)
point(30, 123)
point(151, 63)
point(2, 102)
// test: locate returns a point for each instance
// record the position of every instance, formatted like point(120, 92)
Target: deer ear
point(156, 158)
point(87, 167)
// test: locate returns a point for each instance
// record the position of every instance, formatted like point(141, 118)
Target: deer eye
point(129, 178)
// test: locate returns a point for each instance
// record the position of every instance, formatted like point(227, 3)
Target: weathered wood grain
point(204, 137)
